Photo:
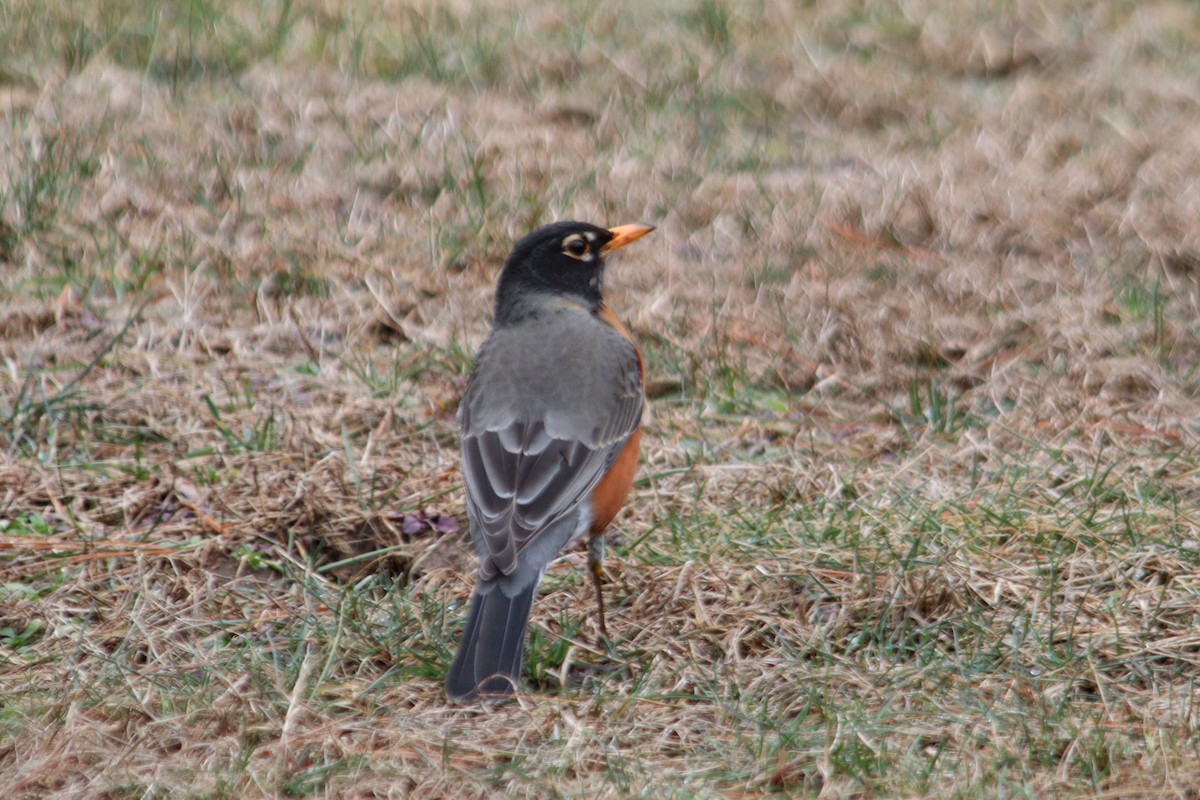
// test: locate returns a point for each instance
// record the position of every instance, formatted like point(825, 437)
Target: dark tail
point(493, 642)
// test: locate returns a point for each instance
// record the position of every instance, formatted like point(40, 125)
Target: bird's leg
point(596, 565)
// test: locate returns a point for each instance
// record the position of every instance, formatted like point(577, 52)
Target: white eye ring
point(577, 247)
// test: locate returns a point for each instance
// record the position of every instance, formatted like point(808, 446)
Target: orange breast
point(609, 495)
point(614, 487)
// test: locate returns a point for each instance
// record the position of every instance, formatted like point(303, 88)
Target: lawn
point(919, 509)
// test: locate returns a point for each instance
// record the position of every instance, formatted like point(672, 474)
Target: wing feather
point(528, 468)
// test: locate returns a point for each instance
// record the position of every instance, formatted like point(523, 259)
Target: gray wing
point(531, 452)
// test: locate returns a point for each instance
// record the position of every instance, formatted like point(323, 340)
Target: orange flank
point(610, 493)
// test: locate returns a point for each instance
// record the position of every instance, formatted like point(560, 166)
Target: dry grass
point(920, 514)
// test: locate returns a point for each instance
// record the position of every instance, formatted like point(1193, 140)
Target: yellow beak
point(623, 235)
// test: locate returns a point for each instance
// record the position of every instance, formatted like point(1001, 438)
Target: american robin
point(551, 421)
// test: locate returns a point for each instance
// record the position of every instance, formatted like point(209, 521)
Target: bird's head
point(564, 258)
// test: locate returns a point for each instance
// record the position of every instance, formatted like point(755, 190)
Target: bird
point(551, 424)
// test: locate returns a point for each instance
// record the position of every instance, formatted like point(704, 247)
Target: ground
point(919, 511)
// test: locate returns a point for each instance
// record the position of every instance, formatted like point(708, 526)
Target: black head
point(561, 258)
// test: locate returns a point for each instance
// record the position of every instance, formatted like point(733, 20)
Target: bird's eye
point(575, 246)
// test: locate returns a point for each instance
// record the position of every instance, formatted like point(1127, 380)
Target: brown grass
point(918, 515)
